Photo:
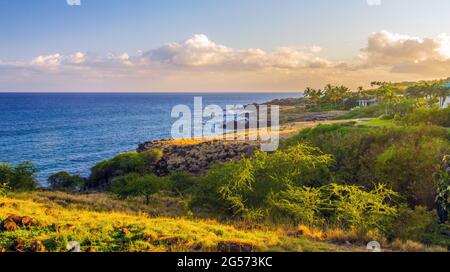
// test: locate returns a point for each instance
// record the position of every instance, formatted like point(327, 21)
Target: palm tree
point(331, 94)
point(388, 95)
point(343, 93)
point(314, 95)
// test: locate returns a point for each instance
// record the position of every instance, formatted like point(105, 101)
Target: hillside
point(46, 221)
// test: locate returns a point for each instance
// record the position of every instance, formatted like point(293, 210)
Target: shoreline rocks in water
point(196, 157)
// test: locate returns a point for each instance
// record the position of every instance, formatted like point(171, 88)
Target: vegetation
point(18, 178)
point(384, 179)
point(104, 172)
point(133, 185)
point(63, 181)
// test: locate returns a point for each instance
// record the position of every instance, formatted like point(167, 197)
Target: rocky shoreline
point(196, 157)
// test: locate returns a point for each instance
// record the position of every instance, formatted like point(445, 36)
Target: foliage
point(19, 178)
point(182, 182)
point(406, 158)
point(434, 92)
point(63, 181)
point(245, 187)
point(359, 210)
point(302, 204)
point(4, 189)
point(416, 224)
point(443, 190)
point(374, 110)
point(131, 162)
point(409, 168)
point(133, 185)
point(331, 97)
point(433, 115)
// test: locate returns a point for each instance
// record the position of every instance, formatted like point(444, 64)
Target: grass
point(127, 230)
point(376, 122)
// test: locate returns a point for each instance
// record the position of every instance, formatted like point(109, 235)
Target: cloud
point(199, 63)
point(407, 54)
point(199, 51)
point(196, 51)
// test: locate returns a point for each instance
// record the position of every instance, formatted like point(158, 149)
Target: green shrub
point(63, 181)
point(375, 110)
point(182, 182)
point(315, 135)
point(366, 156)
point(19, 178)
point(134, 185)
point(410, 168)
point(362, 211)
point(131, 162)
point(423, 115)
point(4, 189)
point(416, 224)
point(304, 205)
point(244, 187)
point(247, 185)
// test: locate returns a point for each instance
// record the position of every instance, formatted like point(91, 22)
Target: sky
point(212, 45)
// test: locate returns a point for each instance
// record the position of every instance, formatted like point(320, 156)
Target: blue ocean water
point(73, 131)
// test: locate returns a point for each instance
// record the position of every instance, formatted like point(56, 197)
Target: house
point(367, 102)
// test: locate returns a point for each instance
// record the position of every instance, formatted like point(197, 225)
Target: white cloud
point(199, 63)
point(196, 51)
point(408, 54)
point(199, 51)
point(47, 61)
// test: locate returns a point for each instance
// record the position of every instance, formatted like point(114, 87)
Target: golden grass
point(118, 231)
point(99, 222)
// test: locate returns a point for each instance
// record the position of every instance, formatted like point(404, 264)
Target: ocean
point(73, 131)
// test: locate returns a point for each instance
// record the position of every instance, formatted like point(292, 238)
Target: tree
point(63, 181)
point(314, 96)
point(434, 92)
point(331, 94)
point(130, 162)
point(343, 93)
point(19, 178)
point(388, 95)
point(133, 185)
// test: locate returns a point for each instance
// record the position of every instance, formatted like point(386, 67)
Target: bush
point(375, 110)
point(410, 168)
point(416, 224)
point(63, 181)
point(4, 189)
point(19, 178)
point(131, 162)
point(134, 185)
point(182, 182)
point(362, 211)
point(304, 205)
point(409, 156)
point(244, 187)
point(422, 115)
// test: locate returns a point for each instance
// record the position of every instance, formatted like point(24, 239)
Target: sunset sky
point(212, 45)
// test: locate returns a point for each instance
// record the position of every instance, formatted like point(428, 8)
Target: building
point(367, 102)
